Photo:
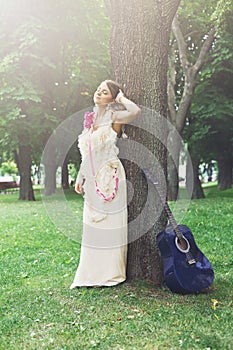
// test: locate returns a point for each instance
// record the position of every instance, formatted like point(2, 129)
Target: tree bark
point(50, 178)
point(174, 144)
point(139, 54)
point(50, 162)
point(194, 186)
point(65, 175)
point(24, 158)
point(25, 164)
point(225, 165)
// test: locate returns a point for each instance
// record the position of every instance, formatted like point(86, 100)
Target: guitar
point(186, 268)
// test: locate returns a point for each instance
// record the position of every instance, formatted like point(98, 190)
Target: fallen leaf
point(49, 325)
point(215, 303)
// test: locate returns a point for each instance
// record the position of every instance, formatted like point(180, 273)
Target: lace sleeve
point(115, 107)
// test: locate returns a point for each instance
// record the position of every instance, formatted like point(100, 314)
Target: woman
point(102, 178)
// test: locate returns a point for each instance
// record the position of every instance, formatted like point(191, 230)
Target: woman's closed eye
point(99, 90)
point(105, 92)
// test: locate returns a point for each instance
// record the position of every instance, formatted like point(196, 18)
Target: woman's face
point(102, 95)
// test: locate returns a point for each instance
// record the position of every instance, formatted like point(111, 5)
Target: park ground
point(39, 311)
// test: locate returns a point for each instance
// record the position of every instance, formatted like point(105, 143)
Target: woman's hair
point(114, 87)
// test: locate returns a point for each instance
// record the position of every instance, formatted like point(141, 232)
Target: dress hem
point(105, 284)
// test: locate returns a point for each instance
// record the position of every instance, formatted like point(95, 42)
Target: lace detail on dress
point(103, 139)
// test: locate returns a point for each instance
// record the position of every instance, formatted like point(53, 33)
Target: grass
point(39, 311)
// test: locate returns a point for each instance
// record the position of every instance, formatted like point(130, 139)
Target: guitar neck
point(171, 217)
point(172, 220)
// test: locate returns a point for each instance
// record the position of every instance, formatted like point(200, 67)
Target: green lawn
point(39, 311)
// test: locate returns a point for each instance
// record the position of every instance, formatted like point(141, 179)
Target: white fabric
point(104, 240)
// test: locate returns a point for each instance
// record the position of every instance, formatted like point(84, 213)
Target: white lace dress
point(104, 239)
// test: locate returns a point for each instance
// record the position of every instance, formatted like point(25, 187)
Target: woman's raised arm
point(131, 111)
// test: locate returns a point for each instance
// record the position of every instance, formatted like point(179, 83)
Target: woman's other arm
point(79, 181)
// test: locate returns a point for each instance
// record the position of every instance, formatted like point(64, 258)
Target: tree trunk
point(225, 165)
point(25, 163)
point(65, 175)
point(139, 53)
point(193, 183)
point(173, 180)
point(49, 160)
point(50, 178)
point(174, 145)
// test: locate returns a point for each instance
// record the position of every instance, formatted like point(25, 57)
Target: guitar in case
point(186, 268)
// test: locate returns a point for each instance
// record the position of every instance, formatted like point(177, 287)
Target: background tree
point(82, 61)
point(194, 34)
point(51, 60)
point(19, 92)
point(139, 44)
point(209, 128)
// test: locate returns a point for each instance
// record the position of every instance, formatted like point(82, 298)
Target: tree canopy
point(51, 60)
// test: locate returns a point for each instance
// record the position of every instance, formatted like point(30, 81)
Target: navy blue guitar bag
point(186, 268)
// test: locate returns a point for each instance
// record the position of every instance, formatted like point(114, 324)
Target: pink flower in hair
point(88, 119)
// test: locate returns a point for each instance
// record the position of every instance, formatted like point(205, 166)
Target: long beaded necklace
point(114, 176)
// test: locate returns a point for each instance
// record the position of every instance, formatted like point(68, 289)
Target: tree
point(139, 53)
point(81, 61)
point(50, 61)
point(193, 41)
point(20, 95)
point(209, 128)
point(222, 79)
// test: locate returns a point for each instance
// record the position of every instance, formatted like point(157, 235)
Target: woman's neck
point(101, 109)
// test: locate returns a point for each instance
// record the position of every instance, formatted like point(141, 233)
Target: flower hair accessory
point(88, 119)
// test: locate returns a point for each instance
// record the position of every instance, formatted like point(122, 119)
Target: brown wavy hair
point(114, 87)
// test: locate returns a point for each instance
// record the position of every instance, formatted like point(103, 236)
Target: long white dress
point(104, 239)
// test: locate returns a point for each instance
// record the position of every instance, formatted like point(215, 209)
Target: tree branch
point(190, 71)
point(191, 82)
point(204, 50)
point(182, 46)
